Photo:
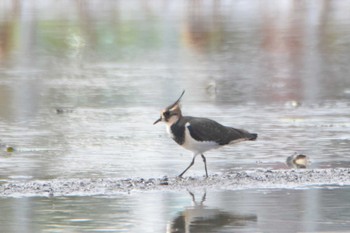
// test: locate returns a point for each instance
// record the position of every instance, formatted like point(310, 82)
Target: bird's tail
point(242, 135)
point(253, 136)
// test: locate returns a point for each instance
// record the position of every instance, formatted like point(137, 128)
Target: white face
point(170, 116)
point(172, 119)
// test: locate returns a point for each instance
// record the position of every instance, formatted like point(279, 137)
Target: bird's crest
point(176, 104)
point(171, 113)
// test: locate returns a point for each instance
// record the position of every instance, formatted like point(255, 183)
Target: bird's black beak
point(171, 106)
point(160, 118)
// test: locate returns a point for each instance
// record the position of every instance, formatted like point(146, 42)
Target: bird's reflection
point(201, 218)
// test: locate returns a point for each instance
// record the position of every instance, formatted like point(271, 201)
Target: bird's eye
point(166, 114)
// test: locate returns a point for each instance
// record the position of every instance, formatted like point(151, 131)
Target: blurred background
point(81, 83)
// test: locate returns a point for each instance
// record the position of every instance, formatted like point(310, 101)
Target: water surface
point(308, 210)
point(82, 82)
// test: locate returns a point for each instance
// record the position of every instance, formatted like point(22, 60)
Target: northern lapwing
point(298, 161)
point(199, 134)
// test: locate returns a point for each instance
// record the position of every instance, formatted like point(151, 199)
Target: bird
point(298, 161)
point(199, 134)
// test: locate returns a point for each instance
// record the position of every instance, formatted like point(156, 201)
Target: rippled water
point(307, 210)
point(82, 82)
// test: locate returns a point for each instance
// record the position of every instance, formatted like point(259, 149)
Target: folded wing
point(203, 129)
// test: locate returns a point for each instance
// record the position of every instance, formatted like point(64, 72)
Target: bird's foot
point(179, 177)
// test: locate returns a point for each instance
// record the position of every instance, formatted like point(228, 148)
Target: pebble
point(230, 180)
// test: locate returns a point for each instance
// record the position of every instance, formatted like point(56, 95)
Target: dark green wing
point(203, 129)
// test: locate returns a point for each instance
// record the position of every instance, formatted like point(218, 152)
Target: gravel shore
point(235, 180)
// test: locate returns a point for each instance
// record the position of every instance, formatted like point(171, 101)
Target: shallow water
point(306, 210)
point(81, 84)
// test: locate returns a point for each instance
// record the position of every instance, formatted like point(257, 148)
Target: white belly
point(197, 147)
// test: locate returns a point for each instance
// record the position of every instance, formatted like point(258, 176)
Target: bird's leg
point(204, 197)
point(205, 165)
point(192, 195)
point(192, 162)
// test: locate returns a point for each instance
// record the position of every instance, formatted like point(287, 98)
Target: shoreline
point(233, 180)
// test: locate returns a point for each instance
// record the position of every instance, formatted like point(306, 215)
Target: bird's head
point(172, 113)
